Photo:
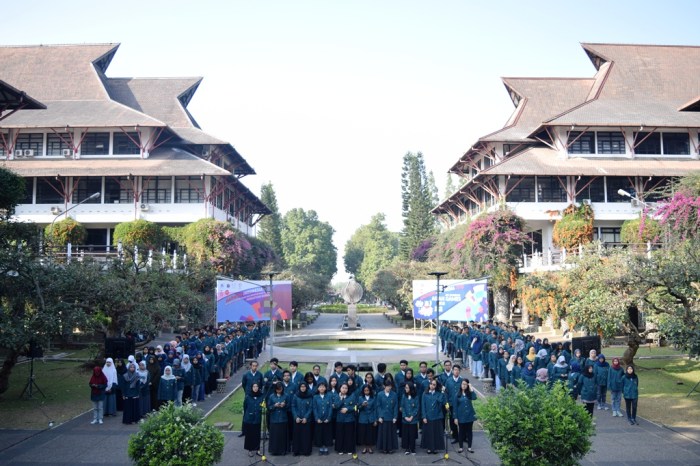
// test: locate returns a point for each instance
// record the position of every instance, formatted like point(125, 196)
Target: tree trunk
point(501, 303)
point(633, 341)
point(6, 370)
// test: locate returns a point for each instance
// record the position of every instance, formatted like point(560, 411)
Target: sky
point(324, 98)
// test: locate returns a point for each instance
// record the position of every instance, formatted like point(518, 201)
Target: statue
point(352, 294)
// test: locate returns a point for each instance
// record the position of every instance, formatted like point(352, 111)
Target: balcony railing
point(556, 259)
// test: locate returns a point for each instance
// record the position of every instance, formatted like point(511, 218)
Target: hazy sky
point(323, 98)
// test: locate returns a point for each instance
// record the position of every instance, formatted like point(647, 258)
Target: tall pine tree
point(417, 193)
point(271, 226)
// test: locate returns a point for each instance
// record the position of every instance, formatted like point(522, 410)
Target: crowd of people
point(185, 369)
point(345, 412)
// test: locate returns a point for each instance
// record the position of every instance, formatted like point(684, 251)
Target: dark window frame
point(190, 191)
point(54, 143)
point(524, 191)
point(155, 192)
point(651, 144)
point(583, 142)
point(90, 143)
point(610, 142)
point(49, 190)
point(549, 189)
point(595, 191)
point(123, 144)
point(85, 188)
point(33, 141)
point(676, 140)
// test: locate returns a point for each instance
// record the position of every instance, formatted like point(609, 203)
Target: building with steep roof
point(130, 139)
point(609, 141)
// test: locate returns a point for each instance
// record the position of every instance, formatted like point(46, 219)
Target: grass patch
point(343, 309)
point(643, 351)
point(65, 385)
point(663, 386)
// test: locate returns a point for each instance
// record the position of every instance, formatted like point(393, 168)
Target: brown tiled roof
point(57, 72)
point(645, 84)
point(157, 97)
point(12, 98)
point(160, 163)
point(545, 161)
point(542, 98)
point(80, 114)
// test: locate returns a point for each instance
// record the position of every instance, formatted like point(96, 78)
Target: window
point(595, 191)
point(189, 189)
point(95, 144)
point(28, 197)
point(157, 190)
point(520, 189)
point(581, 143)
point(655, 187)
point(124, 144)
point(487, 162)
point(508, 148)
point(647, 143)
point(676, 144)
point(119, 190)
point(55, 143)
point(49, 191)
point(607, 234)
point(616, 183)
point(87, 187)
point(610, 142)
point(33, 141)
point(549, 189)
point(535, 244)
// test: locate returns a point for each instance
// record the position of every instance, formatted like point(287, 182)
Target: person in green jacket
point(588, 388)
point(630, 390)
point(464, 414)
point(252, 418)
point(167, 386)
point(574, 379)
point(601, 370)
point(615, 375)
point(410, 411)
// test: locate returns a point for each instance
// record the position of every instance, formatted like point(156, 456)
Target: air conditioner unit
point(635, 203)
point(67, 152)
point(19, 153)
point(144, 207)
point(29, 152)
point(587, 201)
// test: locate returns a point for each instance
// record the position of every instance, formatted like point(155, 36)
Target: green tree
point(450, 187)
point(11, 192)
point(270, 230)
point(371, 248)
point(142, 233)
point(307, 242)
point(417, 200)
point(66, 231)
point(537, 426)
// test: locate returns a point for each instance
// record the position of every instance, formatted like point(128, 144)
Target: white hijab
point(110, 372)
point(165, 375)
point(186, 366)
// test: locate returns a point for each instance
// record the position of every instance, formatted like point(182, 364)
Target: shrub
point(574, 228)
point(176, 436)
point(141, 233)
point(640, 230)
point(66, 231)
point(536, 426)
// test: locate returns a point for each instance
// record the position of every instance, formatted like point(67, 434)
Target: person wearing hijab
point(410, 412)
point(630, 390)
point(542, 359)
point(110, 404)
point(196, 379)
point(492, 362)
point(615, 375)
point(573, 379)
point(601, 370)
point(302, 416)
point(188, 376)
point(98, 385)
point(131, 385)
point(531, 355)
point(252, 418)
point(560, 370)
point(587, 388)
point(121, 370)
point(542, 376)
point(464, 414)
point(145, 389)
point(167, 386)
point(366, 417)
point(529, 374)
point(180, 378)
point(154, 372)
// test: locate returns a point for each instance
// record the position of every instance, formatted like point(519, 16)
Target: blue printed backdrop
point(460, 301)
point(238, 301)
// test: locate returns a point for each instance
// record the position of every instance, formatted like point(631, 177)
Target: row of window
point(156, 190)
point(92, 143)
point(613, 142)
point(598, 189)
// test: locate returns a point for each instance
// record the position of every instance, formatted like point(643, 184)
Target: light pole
point(437, 275)
point(272, 322)
point(89, 198)
point(624, 193)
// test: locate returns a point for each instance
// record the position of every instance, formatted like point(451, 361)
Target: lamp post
point(437, 275)
point(272, 322)
point(624, 193)
point(89, 198)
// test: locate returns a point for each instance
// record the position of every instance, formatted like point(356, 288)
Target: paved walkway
point(78, 442)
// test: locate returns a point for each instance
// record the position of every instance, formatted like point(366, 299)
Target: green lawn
point(643, 351)
point(65, 385)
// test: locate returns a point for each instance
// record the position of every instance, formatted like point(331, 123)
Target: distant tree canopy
point(371, 248)
point(307, 243)
point(270, 227)
point(418, 197)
